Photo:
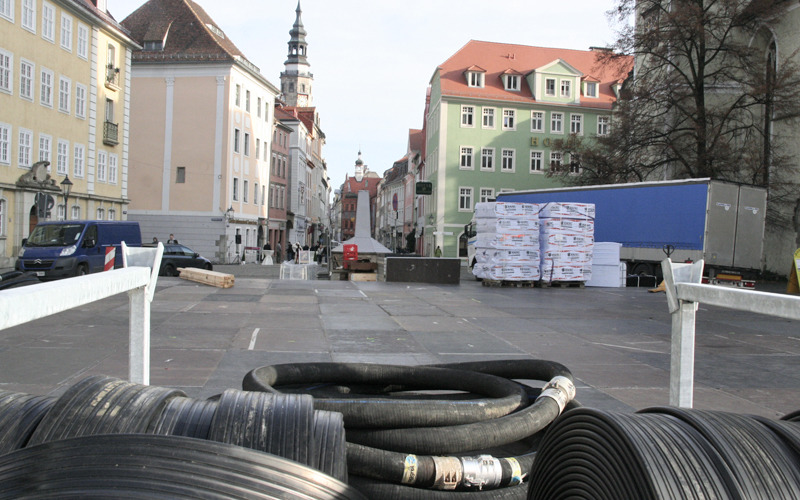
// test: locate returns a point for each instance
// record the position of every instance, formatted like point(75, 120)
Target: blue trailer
point(718, 221)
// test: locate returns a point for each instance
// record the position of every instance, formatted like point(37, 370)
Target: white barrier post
point(139, 319)
point(681, 373)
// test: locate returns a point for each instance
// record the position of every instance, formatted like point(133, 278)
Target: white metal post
point(681, 372)
point(139, 340)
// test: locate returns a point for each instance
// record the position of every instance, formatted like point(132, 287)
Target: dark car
point(177, 256)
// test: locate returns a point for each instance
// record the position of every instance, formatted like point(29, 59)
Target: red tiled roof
point(416, 140)
point(189, 32)
point(503, 58)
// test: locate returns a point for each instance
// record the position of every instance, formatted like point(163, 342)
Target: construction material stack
point(507, 245)
point(566, 242)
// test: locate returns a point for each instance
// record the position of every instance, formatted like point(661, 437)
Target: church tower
point(296, 78)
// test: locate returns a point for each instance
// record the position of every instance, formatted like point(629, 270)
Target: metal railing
point(24, 304)
point(684, 293)
point(110, 133)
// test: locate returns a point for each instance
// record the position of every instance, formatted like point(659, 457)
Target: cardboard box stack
point(607, 270)
point(566, 241)
point(507, 241)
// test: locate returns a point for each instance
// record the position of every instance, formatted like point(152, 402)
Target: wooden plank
point(212, 278)
point(363, 276)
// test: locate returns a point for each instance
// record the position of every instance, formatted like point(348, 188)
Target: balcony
point(110, 134)
point(112, 77)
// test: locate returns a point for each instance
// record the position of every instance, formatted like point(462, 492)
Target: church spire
point(296, 79)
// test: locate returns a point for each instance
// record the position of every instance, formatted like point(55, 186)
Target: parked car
point(177, 256)
point(60, 249)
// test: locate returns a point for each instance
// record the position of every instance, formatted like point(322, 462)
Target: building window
point(255, 194)
point(246, 144)
point(574, 164)
point(101, 214)
point(536, 161)
point(80, 100)
point(258, 148)
point(66, 32)
point(112, 168)
point(488, 118)
point(508, 160)
point(576, 124)
point(467, 116)
point(6, 71)
point(26, 80)
point(5, 144)
point(45, 148)
point(474, 79)
point(236, 140)
point(29, 15)
point(180, 175)
point(487, 194)
point(62, 157)
point(61, 212)
point(509, 119)
point(247, 100)
point(591, 89)
point(487, 159)
point(75, 212)
point(48, 21)
point(235, 189)
point(112, 214)
point(238, 95)
point(512, 82)
point(263, 194)
point(46, 89)
point(550, 86)
point(603, 125)
point(245, 188)
point(537, 121)
point(7, 12)
point(555, 161)
point(466, 158)
point(556, 123)
point(79, 154)
point(63, 94)
point(258, 107)
point(102, 165)
point(566, 88)
point(465, 199)
point(83, 41)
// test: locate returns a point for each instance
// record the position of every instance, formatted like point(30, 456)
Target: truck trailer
point(720, 222)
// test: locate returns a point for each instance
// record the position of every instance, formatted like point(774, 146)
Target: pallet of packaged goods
point(212, 278)
point(508, 283)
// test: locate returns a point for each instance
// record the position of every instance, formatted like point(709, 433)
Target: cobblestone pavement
point(615, 340)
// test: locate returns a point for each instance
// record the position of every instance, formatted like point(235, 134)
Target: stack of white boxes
point(566, 241)
point(507, 246)
point(607, 270)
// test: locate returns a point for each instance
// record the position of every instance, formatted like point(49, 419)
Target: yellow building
point(64, 100)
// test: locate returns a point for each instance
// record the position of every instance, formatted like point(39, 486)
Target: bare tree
point(704, 99)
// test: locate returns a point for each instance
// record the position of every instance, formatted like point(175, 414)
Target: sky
point(372, 60)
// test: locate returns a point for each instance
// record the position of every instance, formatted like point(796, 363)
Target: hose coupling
point(559, 389)
point(481, 472)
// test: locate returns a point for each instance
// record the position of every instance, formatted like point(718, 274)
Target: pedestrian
point(155, 240)
point(437, 252)
point(297, 252)
point(172, 239)
point(278, 252)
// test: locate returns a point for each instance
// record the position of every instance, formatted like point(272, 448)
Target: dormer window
point(475, 76)
point(591, 89)
point(566, 88)
point(511, 82)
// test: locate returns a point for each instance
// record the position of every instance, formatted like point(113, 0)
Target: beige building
point(202, 126)
point(64, 98)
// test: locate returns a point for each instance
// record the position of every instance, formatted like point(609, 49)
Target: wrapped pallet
point(566, 241)
point(507, 241)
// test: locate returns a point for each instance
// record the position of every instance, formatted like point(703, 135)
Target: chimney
point(101, 5)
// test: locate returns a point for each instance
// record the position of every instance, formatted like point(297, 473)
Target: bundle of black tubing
point(283, 425)
point(393, 425)
point(662, 453)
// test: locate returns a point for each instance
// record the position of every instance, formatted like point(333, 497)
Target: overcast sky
point(372, 60)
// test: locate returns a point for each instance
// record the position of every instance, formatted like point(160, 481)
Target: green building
point(496, 111)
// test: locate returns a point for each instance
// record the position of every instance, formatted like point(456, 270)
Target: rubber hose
point(506, 396)
point(376, 489)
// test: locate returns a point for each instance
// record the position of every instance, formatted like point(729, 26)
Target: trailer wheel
point(642, 269)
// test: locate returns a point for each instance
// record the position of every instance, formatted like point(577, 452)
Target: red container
point(350, 252)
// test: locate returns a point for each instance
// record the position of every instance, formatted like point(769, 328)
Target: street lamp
point(66, 186)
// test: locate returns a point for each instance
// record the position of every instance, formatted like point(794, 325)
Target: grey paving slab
point(360, 308)
point(463, 342)
point(374, 341)
point(435, 324)
point(355, 322)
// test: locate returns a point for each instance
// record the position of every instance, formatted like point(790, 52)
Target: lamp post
point(228, 217)
point(66, 187)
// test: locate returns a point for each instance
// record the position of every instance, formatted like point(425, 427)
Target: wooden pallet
point(508, 283)
point(212, 278)
point(363, 276)
point(561, 284)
